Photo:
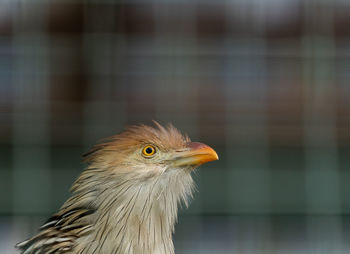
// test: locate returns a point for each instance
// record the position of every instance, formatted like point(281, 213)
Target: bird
point(126, 200)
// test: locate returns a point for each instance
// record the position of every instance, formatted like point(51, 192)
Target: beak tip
point(196, 155)
point(207, 153)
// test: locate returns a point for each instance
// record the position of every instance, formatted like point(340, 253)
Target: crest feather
point(166, 137)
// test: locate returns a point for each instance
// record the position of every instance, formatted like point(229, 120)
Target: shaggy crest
point(165, 138)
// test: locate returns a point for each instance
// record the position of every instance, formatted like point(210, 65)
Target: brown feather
point(123, 202)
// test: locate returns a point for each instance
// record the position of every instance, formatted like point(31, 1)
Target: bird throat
point(135, 216)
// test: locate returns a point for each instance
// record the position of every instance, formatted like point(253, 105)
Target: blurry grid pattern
point(264, 82)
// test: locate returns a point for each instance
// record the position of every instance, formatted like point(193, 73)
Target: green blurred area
point(265, 83)
point(245, 182)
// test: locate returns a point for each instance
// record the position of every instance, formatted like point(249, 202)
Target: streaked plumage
point(126, 200)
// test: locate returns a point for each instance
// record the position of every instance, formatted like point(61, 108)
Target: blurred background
point(264, 82)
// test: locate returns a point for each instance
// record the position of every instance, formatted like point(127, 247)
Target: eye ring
point(148, 151)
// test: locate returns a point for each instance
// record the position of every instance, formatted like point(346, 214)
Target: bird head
point(143, 152)
point(126, 200)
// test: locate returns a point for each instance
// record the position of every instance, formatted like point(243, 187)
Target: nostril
point(196, 145)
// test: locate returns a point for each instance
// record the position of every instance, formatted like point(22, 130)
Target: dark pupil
point(149, 150)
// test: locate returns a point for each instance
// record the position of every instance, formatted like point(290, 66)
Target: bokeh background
point(264, 82)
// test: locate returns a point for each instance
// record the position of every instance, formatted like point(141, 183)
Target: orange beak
point(195, 155)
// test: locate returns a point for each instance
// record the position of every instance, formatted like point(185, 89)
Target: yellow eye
point(148, 151)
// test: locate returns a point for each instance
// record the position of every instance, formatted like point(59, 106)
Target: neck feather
point(132, 216)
